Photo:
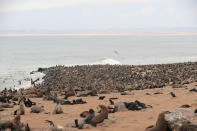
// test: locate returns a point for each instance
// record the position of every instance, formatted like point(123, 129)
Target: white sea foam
point(107, 61)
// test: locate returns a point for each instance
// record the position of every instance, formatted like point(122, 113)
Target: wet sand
point(127, 120)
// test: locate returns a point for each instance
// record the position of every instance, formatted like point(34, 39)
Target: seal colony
point(104, 97)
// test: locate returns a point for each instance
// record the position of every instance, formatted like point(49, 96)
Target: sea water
point(19, 55)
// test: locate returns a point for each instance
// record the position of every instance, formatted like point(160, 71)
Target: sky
point(98, 15)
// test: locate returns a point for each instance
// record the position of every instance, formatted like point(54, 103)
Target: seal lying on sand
point(100, 117)
point(55, 127)
point(37, 109)
point(87, 120)
point(161, 124)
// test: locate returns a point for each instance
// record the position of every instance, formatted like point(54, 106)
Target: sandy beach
point(126, 120)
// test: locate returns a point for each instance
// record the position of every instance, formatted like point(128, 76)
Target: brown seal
point(21, 110)
point(37, 109)
point(84, 114)
point(18, 126)
point(58, 109)
point(101, 116)
point(161, 124)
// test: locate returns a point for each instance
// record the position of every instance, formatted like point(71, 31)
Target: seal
point(21, 110)
point(58, 109)
point(100, 117)
point(37, 109)
point(55, 127)
point(86, 120)
point(161, 124)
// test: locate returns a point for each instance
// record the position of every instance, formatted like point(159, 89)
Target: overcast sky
point(97, 15)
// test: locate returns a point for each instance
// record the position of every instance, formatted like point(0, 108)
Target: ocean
point(19, 55)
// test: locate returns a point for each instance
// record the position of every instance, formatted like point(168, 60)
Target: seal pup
point(87, 120)
point(58, 109)
point(55, 127)
point(161, 124)
point(100, 117)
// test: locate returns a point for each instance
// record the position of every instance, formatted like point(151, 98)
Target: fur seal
point(58, 109)
point(21, 110)
point(100, 117)
point(87, 120)
point(55, 127)
point(84, 114)
point(18, 126)
point(161, 124)
point(172, 94)
point(37, 109)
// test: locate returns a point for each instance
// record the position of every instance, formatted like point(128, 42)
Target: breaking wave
point(107, 61)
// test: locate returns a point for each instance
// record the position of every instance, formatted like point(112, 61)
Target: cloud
point(24, 5)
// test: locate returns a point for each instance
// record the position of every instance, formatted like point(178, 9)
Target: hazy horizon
point(98, 15)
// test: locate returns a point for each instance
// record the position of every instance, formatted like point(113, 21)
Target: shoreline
point(152, 85)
